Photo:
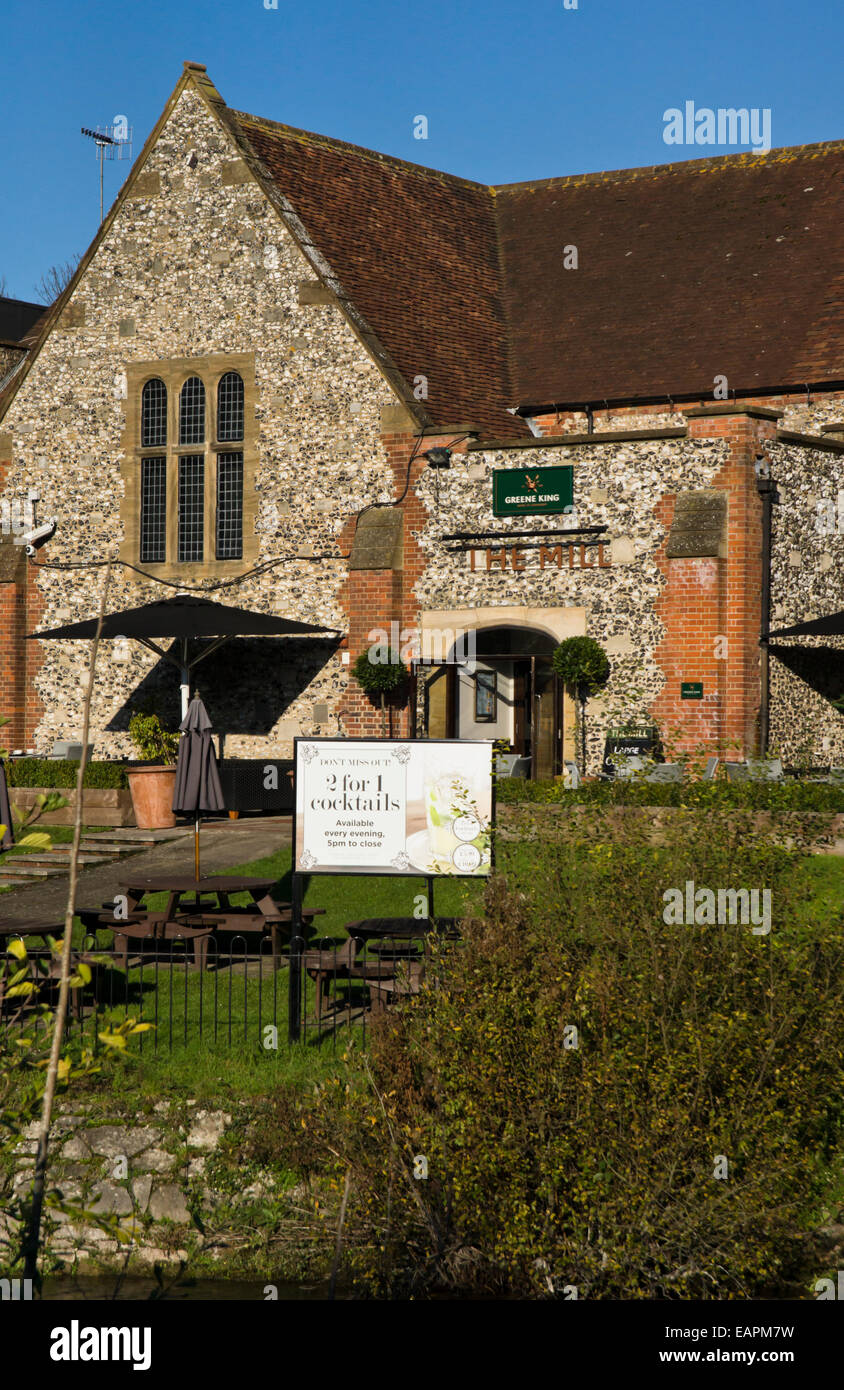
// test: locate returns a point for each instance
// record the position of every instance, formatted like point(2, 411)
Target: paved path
point(224, 844)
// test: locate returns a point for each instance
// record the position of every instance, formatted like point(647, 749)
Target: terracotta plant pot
point(152, 791)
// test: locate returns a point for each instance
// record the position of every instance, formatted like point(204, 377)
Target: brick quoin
point(711, 606)
point(21, 609)
point(378, 598)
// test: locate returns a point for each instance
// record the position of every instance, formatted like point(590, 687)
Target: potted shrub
point(582, 665)
point(381, 678)
point(152, 786)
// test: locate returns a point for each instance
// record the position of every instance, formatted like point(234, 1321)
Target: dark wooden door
point(547, 721)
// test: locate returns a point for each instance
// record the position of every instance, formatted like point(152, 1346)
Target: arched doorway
point(508, 691)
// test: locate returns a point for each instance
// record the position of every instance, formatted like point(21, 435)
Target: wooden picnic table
point(378, 929)
point(12, 930)
point(186, 916)
point(32, 928)
point(333, 961)
point(179, 887)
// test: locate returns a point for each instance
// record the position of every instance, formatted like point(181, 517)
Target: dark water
point(137, 1289)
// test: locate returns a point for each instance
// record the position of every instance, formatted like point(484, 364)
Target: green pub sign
point(691, 690)
point(532, 491)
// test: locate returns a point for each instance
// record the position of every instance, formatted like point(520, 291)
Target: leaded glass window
point(153, 510)
point(191, 506)
point(230, 407)
point(154, 414)
point(192, 412)
point(229, 506)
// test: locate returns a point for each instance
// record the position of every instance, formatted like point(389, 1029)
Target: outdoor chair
point(737, 772)
point(69, 752)
point(572, 773)
point(511, 765)
point(626, 768)
point(765, 769)
point(666, 772)
point(710, 770)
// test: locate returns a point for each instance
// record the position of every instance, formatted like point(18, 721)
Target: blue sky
point(511, 91)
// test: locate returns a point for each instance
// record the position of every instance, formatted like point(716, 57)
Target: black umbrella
point(185, 618)
point(197, 778)
point(7, 839)
point(830, 625)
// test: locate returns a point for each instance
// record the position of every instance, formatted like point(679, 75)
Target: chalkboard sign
point(639, 741)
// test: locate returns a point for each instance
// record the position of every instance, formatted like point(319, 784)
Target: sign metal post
point(297, 943)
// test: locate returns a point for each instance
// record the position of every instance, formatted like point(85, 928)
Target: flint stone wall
point(196, 264)
point(615, 485)
point(806, 566)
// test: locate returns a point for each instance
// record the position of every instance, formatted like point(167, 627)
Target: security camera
point(33, 540)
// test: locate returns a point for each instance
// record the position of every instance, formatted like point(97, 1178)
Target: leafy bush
point(791, 795)
point(595, 1158)
point(24, 1054)
point(59, 772)
point(380, 678)
point(582, 664)
point(153, 742)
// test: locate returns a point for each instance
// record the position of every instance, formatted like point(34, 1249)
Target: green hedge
point(790, 795)
point(60, 772)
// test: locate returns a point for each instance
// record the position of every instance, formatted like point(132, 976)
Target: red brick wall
point(379, 598)
point(711, 608)
point(21, 607)
point(562, 421)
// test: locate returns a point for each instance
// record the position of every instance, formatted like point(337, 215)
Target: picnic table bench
point(11, 931)
point(381, 929)
point(186, 917)
point(335, 961)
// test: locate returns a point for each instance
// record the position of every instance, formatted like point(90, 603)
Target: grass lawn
point(180, 1000)
point(237, 1061)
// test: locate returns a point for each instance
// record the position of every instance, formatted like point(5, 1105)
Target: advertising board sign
point(641, 742)
point(393, 806)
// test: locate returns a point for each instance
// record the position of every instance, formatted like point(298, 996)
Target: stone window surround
point(174, 372)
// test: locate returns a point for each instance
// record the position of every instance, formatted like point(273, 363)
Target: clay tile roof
point(416, 252)
point(731, 266)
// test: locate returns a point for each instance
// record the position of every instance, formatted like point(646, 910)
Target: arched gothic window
point(192, 412)
point(153, 414)
point(230, 407)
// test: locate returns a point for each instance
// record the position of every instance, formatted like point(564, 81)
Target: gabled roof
point(416, 251)
point(731, 267)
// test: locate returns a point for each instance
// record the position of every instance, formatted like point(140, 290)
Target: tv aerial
point(113, 142)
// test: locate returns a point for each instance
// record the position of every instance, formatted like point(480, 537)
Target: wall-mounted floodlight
point(438, 458)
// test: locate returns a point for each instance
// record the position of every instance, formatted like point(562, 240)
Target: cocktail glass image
point(451, 811)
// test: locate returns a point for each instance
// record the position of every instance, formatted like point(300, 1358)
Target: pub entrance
point(509, 692)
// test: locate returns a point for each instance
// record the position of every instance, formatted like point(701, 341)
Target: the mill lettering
point(577, 556)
